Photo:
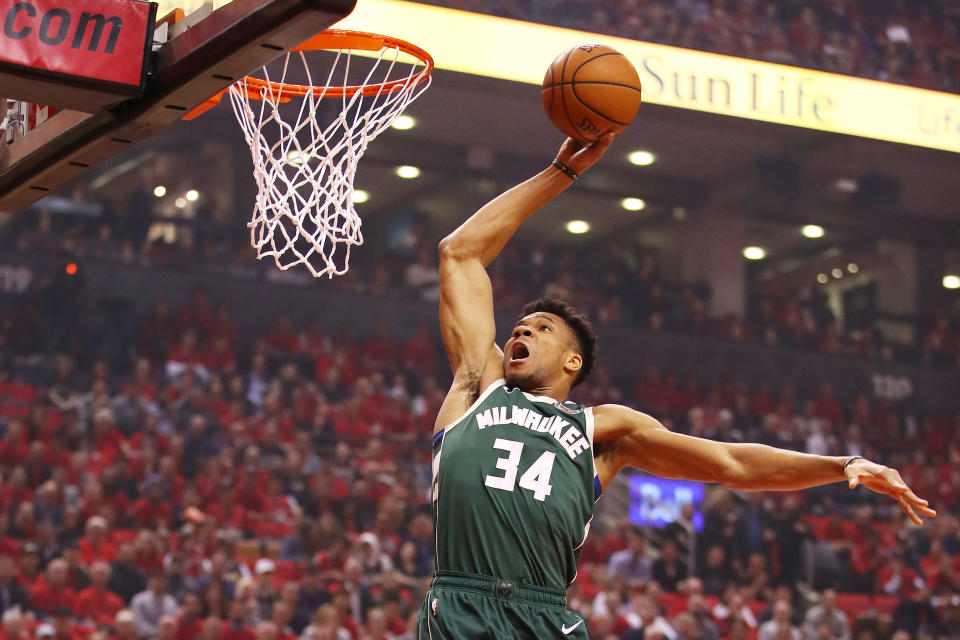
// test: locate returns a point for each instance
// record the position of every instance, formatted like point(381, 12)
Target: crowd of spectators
point(621, 285)
point(915, 42)
point(271, 486)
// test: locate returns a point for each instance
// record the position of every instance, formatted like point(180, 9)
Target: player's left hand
point(881, 479)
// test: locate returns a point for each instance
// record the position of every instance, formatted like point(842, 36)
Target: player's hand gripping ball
point(589, 90)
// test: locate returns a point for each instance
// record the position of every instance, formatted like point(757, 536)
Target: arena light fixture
point(160, 191)
point(578, 226)
point(812, 231)
point(404, 122)
point(193, 195)
point(951, 282)
point(408, 171)
point(845, 185)
point(641, 158)
point(853, 267)
point(181, 203)
point(633, 204)
point(823, 278)
point(754, 253)
point(837, 273)
point(360, 196)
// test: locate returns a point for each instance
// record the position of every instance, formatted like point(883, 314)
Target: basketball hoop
point(305, 167)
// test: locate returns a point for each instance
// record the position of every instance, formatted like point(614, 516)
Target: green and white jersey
point(514, 485)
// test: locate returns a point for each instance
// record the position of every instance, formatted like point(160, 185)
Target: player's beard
point(526, 381)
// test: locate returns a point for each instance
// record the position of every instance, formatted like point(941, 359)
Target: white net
point(306, 146)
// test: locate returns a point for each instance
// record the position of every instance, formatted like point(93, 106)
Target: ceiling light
point(951, 282)
point(641, 158)
point(846, 185)
point(754, 253)
point(853, 267)
point(823, 278)
point(812, 231)
point(160, 191)
point(360, 196)
point(633, 204)
point(296, 157)
point(408, 172)
point(837, 273)
point(181, 203)
point(193, 195)
point(578, 226)
point(404, 122)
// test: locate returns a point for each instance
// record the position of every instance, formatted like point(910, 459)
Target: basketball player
point(517, 467)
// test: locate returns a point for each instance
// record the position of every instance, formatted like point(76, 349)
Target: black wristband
point(846, 463)
point(573, 175)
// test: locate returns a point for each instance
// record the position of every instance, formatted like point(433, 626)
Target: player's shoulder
point(615, 420)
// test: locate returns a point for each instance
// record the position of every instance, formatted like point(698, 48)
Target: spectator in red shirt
point(13, 624)
point(15, 490)
point(63, 627)
point(419, 353)
point(96, 603)
point(281, 616)
point(124, 627)
point(380, 350)
point(223, 325)
point(196, 314)
point(151, 508)
point(96, 545)
point(267, 630)
point(897, 579)
point(189, 624)
point(13, 447)
point(281, 339)
point(30, 565)
point(238, 626)
point(213, 629)
point(52, 592)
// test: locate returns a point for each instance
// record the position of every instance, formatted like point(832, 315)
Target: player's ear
point(574, 362)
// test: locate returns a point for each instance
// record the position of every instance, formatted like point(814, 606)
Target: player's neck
point(558, 392)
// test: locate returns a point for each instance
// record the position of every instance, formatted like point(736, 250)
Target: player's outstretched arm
point(624, 437)
point(466, 297)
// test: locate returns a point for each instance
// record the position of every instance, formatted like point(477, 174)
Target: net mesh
point(306, 148)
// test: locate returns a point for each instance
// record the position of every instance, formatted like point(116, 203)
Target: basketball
point(591, 89)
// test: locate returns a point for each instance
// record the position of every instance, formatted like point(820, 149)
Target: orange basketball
point(591, 89)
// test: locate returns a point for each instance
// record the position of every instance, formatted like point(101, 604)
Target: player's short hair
point(581, 327)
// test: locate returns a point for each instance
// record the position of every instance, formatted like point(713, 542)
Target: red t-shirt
point(187, 630)
point(145, 512)
point(90, 553)
point(43, 596)
point(102, 607)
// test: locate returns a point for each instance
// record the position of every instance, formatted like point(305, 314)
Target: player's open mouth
point(519, 352)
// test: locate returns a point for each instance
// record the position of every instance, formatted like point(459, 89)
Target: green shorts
point(465, 606)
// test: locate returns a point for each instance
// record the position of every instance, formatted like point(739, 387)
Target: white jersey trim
point(483, 396)
point(533, 398)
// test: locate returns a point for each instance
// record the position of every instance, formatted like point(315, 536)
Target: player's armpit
point(628, 438)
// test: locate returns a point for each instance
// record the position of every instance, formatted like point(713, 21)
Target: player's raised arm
point(625, 437)
point(466, 298)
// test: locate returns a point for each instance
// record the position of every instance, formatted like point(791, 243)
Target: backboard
point(200, 48)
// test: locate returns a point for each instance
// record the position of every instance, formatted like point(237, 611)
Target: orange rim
point(331, 39)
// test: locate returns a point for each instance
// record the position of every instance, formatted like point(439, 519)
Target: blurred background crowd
point(193, 475)
point(900, 41)
point(621, 285)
